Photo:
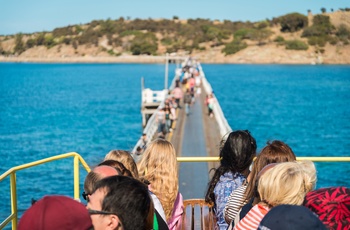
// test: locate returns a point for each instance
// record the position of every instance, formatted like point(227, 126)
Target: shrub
point(343, 31)
point(30, 43)
point(296, 45)
point(19, 45)
point(319, 41)
point(279, 39)
point(293, 22)
point(234, 46)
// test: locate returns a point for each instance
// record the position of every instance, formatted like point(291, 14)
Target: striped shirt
point(253, 218)
point(235, 203)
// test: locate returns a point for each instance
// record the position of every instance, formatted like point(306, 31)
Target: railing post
point(13, 199)
point(76, 177)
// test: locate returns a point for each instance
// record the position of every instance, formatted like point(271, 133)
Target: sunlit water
point(49, 109)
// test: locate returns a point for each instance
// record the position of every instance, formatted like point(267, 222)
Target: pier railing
point(13, 184)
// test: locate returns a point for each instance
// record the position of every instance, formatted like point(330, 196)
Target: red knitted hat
point(332, 205)
point(56, 213)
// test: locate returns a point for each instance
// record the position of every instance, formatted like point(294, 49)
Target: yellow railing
point(77, 158)
point(12, 173)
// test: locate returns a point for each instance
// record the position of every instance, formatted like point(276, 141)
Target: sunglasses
point(96, 212)
point(86, 196)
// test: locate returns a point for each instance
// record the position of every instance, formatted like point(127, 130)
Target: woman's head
point(125, 158)
point(285, 183)
point(274, 152)
point(238, 151)
point(158, 167)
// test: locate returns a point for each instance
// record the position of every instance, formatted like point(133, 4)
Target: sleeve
point(234, 204)
point(176, 218)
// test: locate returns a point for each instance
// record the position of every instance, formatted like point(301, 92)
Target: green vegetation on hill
point(154, 37)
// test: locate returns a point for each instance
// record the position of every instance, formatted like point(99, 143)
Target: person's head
point(274, 152)
point(238, 151)
point(158, 167)
point(125, 158)
point(95, 175)
point(56, 213)
point(332, 205)
point(122, 170)
point(120, 202)
point(290, 217)
point(285, 183)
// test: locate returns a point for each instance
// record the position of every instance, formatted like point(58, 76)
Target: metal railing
point(13, 185)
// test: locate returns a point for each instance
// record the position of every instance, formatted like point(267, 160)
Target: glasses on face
point(85, 196)
point(96, 212)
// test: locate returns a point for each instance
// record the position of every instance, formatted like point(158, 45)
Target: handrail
point(12, 173)
point(217, 159)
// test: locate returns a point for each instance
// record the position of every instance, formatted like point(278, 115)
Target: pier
point(195, 135)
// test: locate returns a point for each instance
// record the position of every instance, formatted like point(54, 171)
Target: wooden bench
point(198, 215)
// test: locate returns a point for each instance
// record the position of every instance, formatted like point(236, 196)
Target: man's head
point(95, 175)
point(120, 202)
point(56, 212)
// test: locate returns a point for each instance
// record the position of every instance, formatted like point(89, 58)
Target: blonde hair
point(125, 158)
point(286, 183)
point(158, 167)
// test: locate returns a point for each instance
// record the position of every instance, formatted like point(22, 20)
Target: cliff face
point(267, 52)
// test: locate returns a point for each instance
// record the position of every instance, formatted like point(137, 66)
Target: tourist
point(56, 213)
point(187, 101)
point(290, 217)
point(177, 94)
point(274, 152)
point(279, 183)
point(122, 170)
point(122, 203)
point(160, 119)
point(236, 155)
point(158, 168)
point(210, 100)
point(98, 173)
point(331, 205)
point(125, 158)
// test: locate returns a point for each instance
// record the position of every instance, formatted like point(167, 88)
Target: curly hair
point(125, 158)
point(158, 167)
point(236, 155)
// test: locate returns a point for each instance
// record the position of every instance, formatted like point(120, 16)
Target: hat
point(332, 205)
point(56, 212)
point(291, 217)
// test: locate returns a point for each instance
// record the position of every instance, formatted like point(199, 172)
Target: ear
point(114, 222)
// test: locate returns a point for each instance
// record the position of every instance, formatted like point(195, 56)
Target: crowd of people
point(269, 190)
point(248, 190)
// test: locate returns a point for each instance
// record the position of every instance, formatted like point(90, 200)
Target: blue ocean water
point(49, 109)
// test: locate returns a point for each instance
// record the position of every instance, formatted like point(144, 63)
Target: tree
point(19, 45)
point(323, 10)
point(293, 22)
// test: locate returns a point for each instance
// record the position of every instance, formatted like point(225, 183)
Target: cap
point(291, 217)
point(332, 205)
point(56, 212)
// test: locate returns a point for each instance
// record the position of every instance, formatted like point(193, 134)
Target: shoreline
point(157, 59)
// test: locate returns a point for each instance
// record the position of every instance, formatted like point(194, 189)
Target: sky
point(28, 16)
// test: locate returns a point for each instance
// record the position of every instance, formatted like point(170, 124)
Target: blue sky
point(29, 16)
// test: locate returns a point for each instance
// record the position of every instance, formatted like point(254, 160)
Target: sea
point(50, 109)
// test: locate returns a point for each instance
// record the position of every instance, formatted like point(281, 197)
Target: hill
point(289, 39)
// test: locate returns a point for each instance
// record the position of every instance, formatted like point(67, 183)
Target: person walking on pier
point(187, 101)
point(177, 94)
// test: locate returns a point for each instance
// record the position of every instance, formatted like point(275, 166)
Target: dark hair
point(274, 152)
point(121, 169)
point(129, 199)
point(90, 182)
point(236, 155)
